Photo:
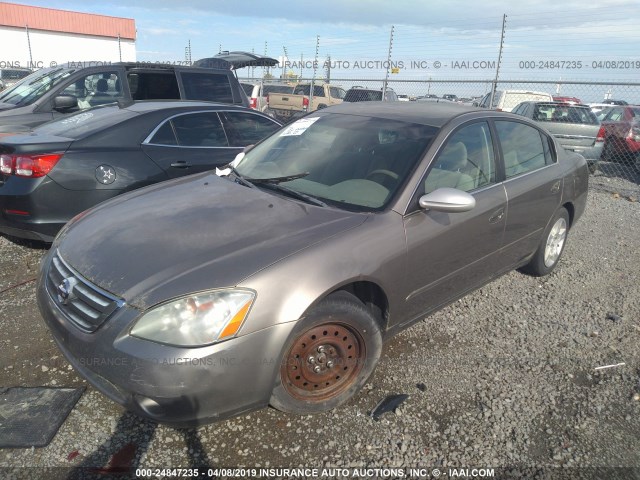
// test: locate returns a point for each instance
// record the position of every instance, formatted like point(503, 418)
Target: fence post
point(386, 77)
point(29, 45)
point(313, 78)
point(495, 82)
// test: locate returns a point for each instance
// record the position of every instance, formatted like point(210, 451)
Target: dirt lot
point(507, 380)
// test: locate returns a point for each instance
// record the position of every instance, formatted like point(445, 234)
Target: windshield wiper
point(276, 180)
point(239, 178)
point(293, 193)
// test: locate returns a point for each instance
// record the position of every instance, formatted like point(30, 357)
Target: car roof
point(560, 104)
point(142, 106)
point(424, 113)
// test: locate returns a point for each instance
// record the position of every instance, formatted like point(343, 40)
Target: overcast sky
point(351, 31)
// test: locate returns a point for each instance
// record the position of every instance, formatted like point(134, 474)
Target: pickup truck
point(284, 106)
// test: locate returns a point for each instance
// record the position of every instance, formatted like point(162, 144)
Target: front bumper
point(174, 385)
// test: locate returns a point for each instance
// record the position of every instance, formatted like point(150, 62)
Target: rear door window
point(153, 86)
point(212, 87)
point(202, 129)
point(522, 147)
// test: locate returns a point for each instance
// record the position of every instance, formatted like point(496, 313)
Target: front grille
point(86, 305)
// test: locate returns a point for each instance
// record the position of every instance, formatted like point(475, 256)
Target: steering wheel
point(388, 178)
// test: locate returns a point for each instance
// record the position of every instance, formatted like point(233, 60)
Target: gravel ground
point(507, 380)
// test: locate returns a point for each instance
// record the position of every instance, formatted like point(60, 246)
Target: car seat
point(447, 172)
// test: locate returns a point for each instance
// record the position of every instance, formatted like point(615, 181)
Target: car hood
point(192, 234)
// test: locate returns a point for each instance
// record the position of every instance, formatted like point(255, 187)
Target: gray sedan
point(205, 297)
point(575, 126)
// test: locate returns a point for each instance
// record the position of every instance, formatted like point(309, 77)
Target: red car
point(622, 134)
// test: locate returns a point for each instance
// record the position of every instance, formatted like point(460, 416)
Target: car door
point(190, 143)
point(533, 184)
point(449, 254)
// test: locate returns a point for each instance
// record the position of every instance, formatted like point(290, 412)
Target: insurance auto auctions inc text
point(351, 473)
point(384, 64)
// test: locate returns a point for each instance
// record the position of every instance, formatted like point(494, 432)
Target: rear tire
point(551, 246)
point(329, 356)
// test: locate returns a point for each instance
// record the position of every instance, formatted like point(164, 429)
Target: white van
point(506, 100)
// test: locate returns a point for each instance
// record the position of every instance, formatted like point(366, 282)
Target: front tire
point(551, 246)
point(329, 356)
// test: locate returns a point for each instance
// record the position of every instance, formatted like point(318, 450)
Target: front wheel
point(329, 356)
point(551, 247)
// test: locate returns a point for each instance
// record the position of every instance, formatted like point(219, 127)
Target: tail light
point(305, 103)
point(600, 136)
point(32, 166)
point(253, 103)
point(634, 134)
point(267, 99)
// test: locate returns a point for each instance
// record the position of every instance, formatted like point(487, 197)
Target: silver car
point(575, 127)
point(205, 297)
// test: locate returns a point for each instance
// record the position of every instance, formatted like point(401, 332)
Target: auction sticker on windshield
point(299, 127)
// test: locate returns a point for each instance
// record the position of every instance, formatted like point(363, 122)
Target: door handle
point(555, 188)
point(180, 164)
point(497, 216)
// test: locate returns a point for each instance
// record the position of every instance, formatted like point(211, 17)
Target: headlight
point(196, 320)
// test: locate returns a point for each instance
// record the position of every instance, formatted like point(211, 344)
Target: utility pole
point(495, 82)
point(119, 47)
point(386, 78)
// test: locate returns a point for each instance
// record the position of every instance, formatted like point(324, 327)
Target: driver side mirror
point(65, 102)
point(450, 200)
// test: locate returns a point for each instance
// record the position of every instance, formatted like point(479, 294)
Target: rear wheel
point(551, 247)
point(329, 356)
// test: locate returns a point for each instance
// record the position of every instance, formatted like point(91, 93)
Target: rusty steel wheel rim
point(323, 362)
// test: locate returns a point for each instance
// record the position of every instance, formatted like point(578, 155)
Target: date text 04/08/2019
point(579, 64)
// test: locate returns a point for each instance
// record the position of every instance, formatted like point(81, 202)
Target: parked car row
point(112, 129)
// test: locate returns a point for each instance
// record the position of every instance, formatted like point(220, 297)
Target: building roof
point(49, 19)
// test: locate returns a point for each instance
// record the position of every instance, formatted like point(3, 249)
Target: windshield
point(351, 161)
point(33, 87)
point(82, 124)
